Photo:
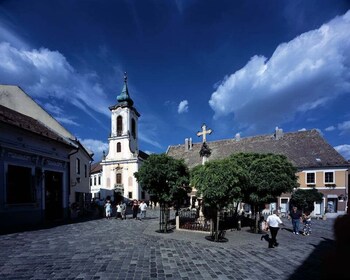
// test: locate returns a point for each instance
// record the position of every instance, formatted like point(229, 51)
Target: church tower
point(123, 158)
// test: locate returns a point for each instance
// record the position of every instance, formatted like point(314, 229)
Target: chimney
point(278, 133)
point(186, 144)
point(190, 144)
point(238, 137)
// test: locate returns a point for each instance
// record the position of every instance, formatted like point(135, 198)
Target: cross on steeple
point(204, 132)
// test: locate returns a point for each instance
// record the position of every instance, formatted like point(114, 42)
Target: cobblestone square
point(132, 249)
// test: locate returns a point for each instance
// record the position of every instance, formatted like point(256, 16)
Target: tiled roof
point(305, 149)
point(13, 118)
point(96, 167)
point(143, 155)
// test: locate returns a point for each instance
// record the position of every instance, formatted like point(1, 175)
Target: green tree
point(166, 179)
point(219, 182)
point(270, 175)
point(304, 199)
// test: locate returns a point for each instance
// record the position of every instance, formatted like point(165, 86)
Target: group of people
point(297, 216)
point(138, 210)
point(273, 222)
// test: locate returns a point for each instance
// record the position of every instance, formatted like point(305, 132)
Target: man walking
point(295, 215)
point(273, 222)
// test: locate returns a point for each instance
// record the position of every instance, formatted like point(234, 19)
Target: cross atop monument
point(204, 132)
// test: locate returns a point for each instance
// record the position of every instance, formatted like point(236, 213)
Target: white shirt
point(143, 206)
point(273, 220)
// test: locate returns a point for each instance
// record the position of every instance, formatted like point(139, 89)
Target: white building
point(124, 157)
point(14, 98)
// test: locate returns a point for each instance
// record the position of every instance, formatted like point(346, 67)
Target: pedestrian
point(135, 209)
point(123, 206)
point(143, 207)
point(273, 222)
point(295, 215)
point(307, 223)
point(119, 211)
point(108, 209)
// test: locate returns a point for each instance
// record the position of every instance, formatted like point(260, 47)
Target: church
point(113, 177)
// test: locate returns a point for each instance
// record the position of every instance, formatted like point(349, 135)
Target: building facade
point(15, 98)
point(319, 165)
point(34, 171)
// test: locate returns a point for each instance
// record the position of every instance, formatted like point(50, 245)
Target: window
point(310, 178)
point(133, 128)
point(20, 187)
point(119, 147)
point(119, 125)
point(99, 179)
point(95, 181)
point(90, 181)
point(77, 166)
point(119, 178)
point(130, 195)
point(85, 170)
point(329, 177)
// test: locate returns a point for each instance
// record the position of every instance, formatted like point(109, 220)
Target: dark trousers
point(273, 240)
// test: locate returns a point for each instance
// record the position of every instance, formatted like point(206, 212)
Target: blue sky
point(239, 66)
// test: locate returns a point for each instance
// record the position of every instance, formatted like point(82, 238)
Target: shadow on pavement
point(46, 225)
point(330, 259)
point(313, 266)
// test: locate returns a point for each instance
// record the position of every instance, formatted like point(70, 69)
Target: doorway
point(332, 205)
point(53, 196)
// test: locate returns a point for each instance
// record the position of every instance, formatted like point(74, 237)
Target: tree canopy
point(304, 199)
point(219, 181)
point(164, 177)
point(269, 175)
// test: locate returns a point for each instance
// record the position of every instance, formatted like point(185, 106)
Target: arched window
point(119, 147)
point(133, 128)
point(119, 178)
point(119, 125)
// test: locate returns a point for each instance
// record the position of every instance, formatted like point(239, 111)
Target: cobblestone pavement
point(132, 249)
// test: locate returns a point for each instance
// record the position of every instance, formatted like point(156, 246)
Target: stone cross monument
point(205, 151)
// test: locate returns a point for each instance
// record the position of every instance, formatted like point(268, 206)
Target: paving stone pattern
point(132, 249)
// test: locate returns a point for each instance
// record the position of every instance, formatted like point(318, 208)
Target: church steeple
point(124, 96)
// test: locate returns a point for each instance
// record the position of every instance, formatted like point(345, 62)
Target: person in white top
point(273, 222)
point(143, 207)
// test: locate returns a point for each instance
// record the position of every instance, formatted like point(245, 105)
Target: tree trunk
point(257, 218)
point(163, 218)
point(217, 224)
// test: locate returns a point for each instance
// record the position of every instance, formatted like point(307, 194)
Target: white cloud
point(67, 121)
point(330, 128)
point(7, 35)
point(96, 146)
point(150, 140)
point(183, 107)
point(344, 126)
point(47, 74)
point(344, 150)
point(301, 75)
